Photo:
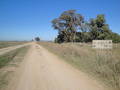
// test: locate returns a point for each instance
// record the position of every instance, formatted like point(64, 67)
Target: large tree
point(67, 25)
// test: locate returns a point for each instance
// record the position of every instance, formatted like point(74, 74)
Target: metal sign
point(102, 44)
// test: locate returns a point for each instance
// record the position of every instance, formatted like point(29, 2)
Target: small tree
point(37, 39)
point(99, 30)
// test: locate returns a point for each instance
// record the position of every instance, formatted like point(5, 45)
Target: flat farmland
point(4, 44)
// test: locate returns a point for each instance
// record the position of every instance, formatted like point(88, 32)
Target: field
point(4, 44)
point(76, 62)
point(104, 65)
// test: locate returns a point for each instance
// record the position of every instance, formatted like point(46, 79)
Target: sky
point(26, 19)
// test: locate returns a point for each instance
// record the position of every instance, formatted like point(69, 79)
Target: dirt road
point(42, 70)
point(8, 49)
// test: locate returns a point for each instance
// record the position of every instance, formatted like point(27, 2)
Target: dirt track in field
point(8, 49)
point(42, 70)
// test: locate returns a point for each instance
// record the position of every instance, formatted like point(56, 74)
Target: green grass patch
point(6, 58)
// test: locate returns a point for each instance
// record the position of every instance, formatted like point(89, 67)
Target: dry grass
point(102, 64)
point(4, 44)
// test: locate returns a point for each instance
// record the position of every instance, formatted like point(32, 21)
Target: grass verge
point(102, 64)
point(8, 63)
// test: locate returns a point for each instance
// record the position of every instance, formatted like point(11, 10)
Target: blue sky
point(25, 19)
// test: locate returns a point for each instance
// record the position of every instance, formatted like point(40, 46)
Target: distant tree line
point(72, 27)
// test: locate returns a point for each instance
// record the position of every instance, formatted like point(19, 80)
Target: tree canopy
point(67, 25)
point(37, 39)
point(72, 27)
